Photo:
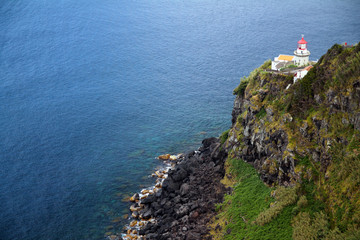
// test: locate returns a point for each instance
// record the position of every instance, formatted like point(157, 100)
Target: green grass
point(224, 136)
point(249, 198)
point(261, 113)
point(240, 90)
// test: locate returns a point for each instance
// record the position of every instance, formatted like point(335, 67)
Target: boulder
point(164, 157)
point(184, 189)
point(149, 199)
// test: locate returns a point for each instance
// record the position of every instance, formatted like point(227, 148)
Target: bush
point(240, 90)
point(284, 197)
point(261, 113)
point(306, 228)
point(224, 136)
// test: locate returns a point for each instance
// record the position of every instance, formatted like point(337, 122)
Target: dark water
point(92, 91)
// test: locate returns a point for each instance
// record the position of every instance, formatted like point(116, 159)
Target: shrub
point(224, 136)
point(261, 113)
point(240, 90)
point(284, 197)
point(305, 228)
point(302, 202)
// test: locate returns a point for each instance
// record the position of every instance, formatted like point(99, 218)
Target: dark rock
point(186, 201)
point(184, 189)
point(179, 175)
point(149, 199)
point(158, 193)
point(218, 227)
point(152, 236)
point(158, 212)
point(170, 185)
point(147, 214)
point(194, 215)
point(155, 206)
point(182, 210)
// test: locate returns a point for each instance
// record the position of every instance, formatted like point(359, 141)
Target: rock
point(218, 227)
point(158, 193)
point(152, 236)
point(194, 215)
point(193, 236)
point(135, 214)
point(134, 198)
point(133, 223)
point(303, 130)
point(317, 98)
point(269, 111)
point(147, 214)
point(173, 157)
point(182, 210)
point(134, 208)
point(179, 175)
point(164, 157)
point(184, 189)
point(179, 212)
point(149, 199)
point(170, 185)
point(113, 237)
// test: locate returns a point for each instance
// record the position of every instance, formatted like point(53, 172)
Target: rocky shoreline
point(183, 200)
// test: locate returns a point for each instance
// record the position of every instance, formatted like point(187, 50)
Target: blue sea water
point(92, 91)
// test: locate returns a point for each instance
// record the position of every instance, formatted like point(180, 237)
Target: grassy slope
point(240, 209)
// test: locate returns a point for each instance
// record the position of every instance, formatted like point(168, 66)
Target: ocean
point(91, 92)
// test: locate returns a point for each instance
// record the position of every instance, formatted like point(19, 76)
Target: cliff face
point(305, 132)
point(257, 135)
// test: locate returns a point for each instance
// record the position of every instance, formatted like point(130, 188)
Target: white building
point(282, 61)
point(301, 57)
point(301, 73)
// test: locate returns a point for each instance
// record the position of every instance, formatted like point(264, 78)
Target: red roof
point(302, 41)
point(308, 68)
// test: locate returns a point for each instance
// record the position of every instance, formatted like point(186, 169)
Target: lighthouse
point(301, 53)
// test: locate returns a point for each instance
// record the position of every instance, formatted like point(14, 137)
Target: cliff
point(303, 139)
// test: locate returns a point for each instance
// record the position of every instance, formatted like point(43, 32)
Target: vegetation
point(261, 113)
point(240, 90)
point(239, 212)
point(224, 136)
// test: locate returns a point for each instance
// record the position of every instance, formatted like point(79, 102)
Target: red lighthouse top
point(302, 43)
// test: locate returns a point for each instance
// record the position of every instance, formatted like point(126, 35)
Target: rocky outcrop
point(186, 201)
point(264, 147)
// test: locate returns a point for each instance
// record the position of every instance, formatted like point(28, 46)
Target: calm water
point(92, 91)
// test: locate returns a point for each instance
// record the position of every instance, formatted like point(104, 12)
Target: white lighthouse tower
point(301, 53)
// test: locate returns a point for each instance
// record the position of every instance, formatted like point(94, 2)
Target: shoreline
point(137, 221)
point(182, 201)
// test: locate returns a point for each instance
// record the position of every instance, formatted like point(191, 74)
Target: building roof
point(280, 65)
point(308, 68)
point(302, 41)
point(285, 58)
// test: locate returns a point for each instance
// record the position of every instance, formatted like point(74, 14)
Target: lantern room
point(302, 43)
